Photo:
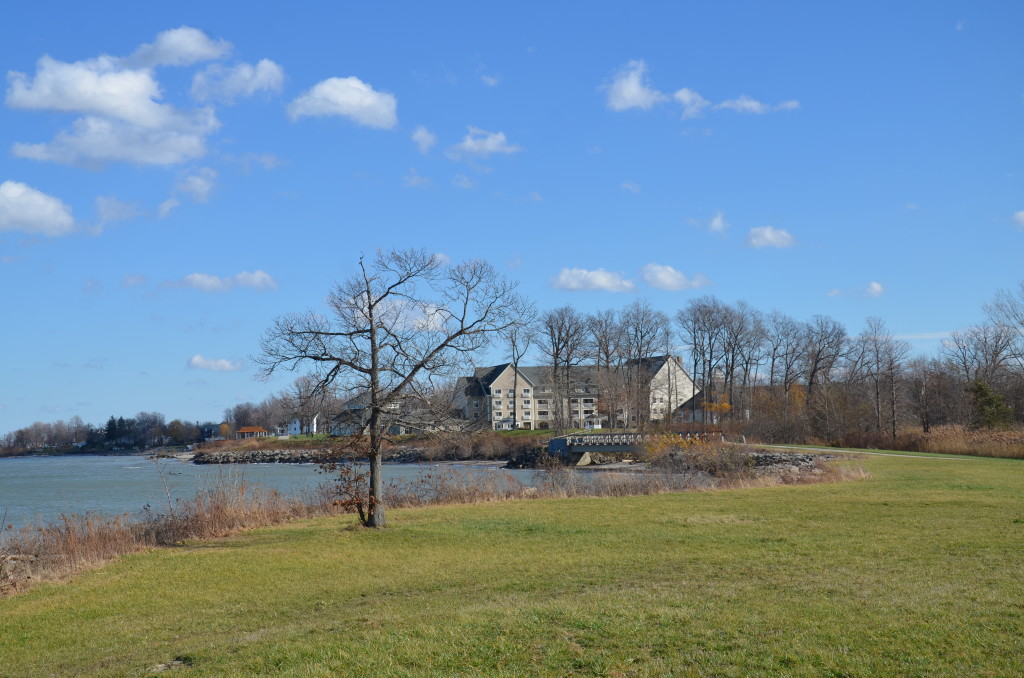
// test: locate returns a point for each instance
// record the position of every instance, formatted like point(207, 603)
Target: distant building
point(252, 432)
point(633, 394)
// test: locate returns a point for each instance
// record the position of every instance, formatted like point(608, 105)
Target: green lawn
point(914, 572)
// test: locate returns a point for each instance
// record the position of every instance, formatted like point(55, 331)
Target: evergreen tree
point(989, 409)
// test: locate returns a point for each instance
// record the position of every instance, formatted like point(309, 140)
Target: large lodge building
point(638, 392)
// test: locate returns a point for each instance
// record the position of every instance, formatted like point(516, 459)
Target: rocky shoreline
point(759, 462)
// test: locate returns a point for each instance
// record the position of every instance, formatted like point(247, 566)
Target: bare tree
point(644, 333)
point(565, 345)
point(402, 321)
point(519, 339)
point(606, 340)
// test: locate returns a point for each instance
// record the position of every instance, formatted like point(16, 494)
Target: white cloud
point(491, 80)
point(630, 186)
point(119, 100)
point(667, 278)
point(98, 140)
point(198, 362)
point(464, 182)
point(442, 259)
point(258, 280)
point(181, 46)
point(834, 292)
point(166, 207)
point(718, 224)
point(745, 104)
point(629, 88)
point(110, 209)
point(23, 208)
point(479, 142)
point(874, 289)
point(349, 98)
point(415, 180)
point(205, 282)
point(598, 279)
point(693, 103)
point(766, 236)
point(423, 138)
point(199, 184)
point(220, 83)
point(100, 86)
point(1018, 218)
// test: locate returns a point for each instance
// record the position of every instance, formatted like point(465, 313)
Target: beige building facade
point(632, 395)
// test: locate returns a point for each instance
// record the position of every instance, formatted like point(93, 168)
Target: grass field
point(916, 571)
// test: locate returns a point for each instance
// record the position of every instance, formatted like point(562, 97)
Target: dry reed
point(76, 542)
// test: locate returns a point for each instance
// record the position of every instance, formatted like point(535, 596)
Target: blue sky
point(174, 176)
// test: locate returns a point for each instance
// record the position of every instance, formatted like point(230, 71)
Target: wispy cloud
point(491, 80)
point(199, 184)
point(718, 224)
point(423, 138)
point(745, 104)
point(415, 180)
point(665, 277)
point(1018, 218)
point(766, 236)
point(480, 142)
point(597, 279)
point(110, 210)
point(874, 289)
point(199, 362)
point(136, 280)
point(226, 84)
point(205, 282)
point(630, 186)
point(463, 182)
point(693, 103)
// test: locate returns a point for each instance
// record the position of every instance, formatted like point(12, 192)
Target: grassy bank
point(915, 571)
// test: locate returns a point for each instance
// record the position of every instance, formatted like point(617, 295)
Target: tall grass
point(950, 439)
point(76, 542)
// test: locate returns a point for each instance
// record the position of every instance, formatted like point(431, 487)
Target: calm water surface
point(39, 489)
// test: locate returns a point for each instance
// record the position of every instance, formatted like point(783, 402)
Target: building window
point(588, 411)
point(497, 415)
point(497, 391)
point(542, 413)
point(588, 401)
point(476, 405)
point(542, 402)
point(526, 391)
point(497, 403)
point(526, 403)
point(526, 415)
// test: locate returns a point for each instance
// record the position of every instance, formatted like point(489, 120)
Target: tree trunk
point(376, 513)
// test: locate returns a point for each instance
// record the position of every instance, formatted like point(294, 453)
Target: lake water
point(40, 489)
